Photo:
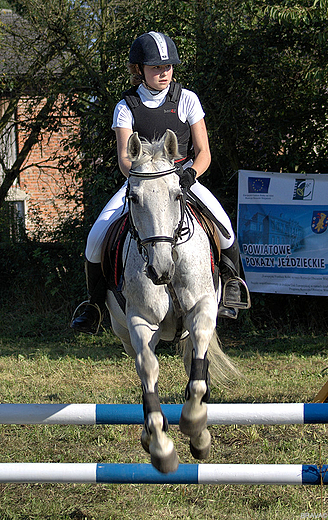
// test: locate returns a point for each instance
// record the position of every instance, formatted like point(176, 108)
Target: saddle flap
point(111, 253)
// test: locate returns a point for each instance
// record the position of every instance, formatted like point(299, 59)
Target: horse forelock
point(152, 153)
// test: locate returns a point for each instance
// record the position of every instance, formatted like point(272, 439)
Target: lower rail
point(253, 474)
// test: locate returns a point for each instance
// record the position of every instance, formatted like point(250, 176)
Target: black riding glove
point(187, 177)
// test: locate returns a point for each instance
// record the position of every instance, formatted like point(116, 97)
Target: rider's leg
point(215, 207)
point(111, 212)
point(90, 319)
point(230, 268)
point(230, 258)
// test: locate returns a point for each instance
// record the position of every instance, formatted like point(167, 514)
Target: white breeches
point(114, 208)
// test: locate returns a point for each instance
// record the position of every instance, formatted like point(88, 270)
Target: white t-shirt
point(189, 108)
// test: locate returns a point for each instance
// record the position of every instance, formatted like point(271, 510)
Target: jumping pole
point(224, 414)
point(252, 474)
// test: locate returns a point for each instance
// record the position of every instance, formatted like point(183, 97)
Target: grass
point(44, 366)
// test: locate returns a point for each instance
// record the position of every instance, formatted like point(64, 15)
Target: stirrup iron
point(235, 304)
point(96, 306)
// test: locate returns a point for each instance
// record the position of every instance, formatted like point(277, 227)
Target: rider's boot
point(230, 269)
point(91, 318)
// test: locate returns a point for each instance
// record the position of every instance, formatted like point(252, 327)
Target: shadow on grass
point(240, 338)
point(31, 333)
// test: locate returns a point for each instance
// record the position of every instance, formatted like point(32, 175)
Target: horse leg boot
point(230, 269)
point(153, 438)
point(90, 320)
point(193, 418)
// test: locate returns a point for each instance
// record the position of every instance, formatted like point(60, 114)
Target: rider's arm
point(201, 146)
point(122, 137)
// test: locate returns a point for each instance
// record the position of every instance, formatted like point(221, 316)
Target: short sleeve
point(122, 117)
point(190, 108)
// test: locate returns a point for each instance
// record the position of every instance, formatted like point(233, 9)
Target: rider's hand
point(187, 177)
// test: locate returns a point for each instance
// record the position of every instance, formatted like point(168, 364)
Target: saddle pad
point(210, 229)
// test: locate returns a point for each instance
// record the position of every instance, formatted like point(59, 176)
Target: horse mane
point(151, 152)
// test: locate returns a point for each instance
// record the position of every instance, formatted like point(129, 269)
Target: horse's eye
point(134, 199)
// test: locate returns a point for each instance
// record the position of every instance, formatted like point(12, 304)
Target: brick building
point(37, 196)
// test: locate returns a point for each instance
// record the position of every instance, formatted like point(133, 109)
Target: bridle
point(158, 238)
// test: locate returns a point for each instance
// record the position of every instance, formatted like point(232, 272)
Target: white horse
point(167, 281)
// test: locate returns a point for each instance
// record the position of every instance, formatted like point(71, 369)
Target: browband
point(153, 175)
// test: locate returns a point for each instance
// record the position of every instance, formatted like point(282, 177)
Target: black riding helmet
point(154, 49)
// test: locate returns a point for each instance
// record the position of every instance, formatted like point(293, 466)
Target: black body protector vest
point(152, 123)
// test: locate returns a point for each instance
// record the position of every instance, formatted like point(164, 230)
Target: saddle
point(111, 255)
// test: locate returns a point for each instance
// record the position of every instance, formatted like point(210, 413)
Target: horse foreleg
point(193, 418)
point(153, 438)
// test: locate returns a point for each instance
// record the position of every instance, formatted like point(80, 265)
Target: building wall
point(41, 179)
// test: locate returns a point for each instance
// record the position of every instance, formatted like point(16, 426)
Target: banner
point(282, 232)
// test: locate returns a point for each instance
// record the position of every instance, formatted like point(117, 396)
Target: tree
point(264, 111)
point(263, 108)
point(88, 44)
point(260, 77)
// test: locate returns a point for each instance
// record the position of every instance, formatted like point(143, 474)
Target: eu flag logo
point(258, 184)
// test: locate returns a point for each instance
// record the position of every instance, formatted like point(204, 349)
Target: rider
point(154, 103)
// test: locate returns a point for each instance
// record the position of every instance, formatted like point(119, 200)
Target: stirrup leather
point(245, 304)
point(96, 306)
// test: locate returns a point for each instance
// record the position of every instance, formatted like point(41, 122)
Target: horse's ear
point(171, 145)
point(134, 147)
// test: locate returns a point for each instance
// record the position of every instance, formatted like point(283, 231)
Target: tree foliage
point(264, 110)
point(250, 63)
point(258, 67)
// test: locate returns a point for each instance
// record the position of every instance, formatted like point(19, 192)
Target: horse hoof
point(167, 464)
point(145, 440)
point(193, 427)
point(200, 446)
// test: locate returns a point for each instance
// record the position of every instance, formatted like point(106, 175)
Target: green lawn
point(38, 366)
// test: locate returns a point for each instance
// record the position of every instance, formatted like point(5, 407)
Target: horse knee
point(204, 313)
point(148, 369)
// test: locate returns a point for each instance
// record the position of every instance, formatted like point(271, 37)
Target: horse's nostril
point(152, 273)
point(162, 278)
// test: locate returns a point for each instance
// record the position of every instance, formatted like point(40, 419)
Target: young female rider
point(152, 105)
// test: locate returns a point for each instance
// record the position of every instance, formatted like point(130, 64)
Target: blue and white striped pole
point(252, 474)
point(225, 414)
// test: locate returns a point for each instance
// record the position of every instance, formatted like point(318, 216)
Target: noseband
point(159, 238)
